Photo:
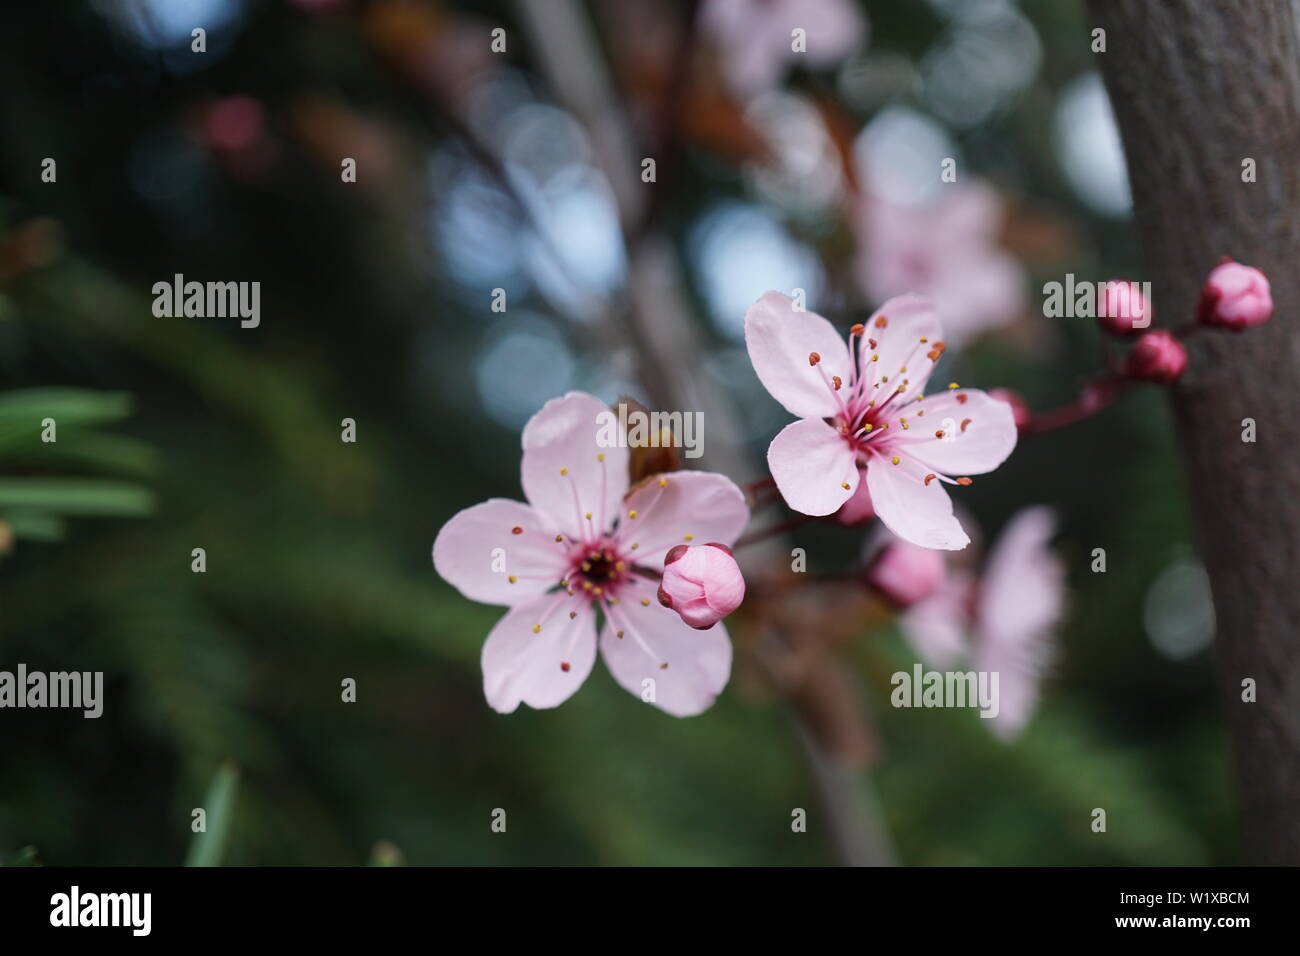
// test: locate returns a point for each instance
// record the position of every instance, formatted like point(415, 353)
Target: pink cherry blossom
point(585, 547)
point(755, 37)
point(946, 250)
point(862, 414)
point(1003, 621)
point(702, 583)
point(1235, 297)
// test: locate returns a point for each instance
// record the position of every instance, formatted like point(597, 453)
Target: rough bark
point(1198, 87)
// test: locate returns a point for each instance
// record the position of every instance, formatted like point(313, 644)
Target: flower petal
point(523, 666)
point(477, 553)
point(901, 354)
point(575, 463)
point(780, 341)
point(936, 627)
point(699, 662)
point(683, 507)
point(911, 508)
point(813, 466)
point(979, 433)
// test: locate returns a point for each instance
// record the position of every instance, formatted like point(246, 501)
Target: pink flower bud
point(1158, 357)
point(1020, 411)
point(1235, 297)
point(1122, 308)
point(858, 508)
point(702, 583)
point(906, 573)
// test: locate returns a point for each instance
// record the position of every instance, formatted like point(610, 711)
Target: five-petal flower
point(585, 548)
point(861, 402)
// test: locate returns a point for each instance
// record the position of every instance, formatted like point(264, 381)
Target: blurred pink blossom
point(862, 415)
point(579, 547)
point(756, 41)
point(946, 250)
point(1002, 621)
point(906, 573)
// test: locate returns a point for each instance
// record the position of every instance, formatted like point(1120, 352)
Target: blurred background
point(513, 161)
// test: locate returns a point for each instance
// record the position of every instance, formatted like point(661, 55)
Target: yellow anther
point(645, 602)
point(512, 579)
point(894, 460)
point(690, 537)
point(537, 628)
point(632, 513)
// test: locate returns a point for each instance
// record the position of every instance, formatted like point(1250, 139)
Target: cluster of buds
point(1234, 297)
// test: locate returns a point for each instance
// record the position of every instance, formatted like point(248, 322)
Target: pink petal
point(477, 553)
point(702, 504)
point(520, 666)
point(813, 466)
point(986, 440)
point(979, 291)
point(908, 319)
point(699, 662)
point(910, 508)
point(937, 627)
point(563, 473)
point(1020, 603)
point(780, 341)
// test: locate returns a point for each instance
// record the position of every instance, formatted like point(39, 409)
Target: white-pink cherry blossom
point(1003, 620)
point(864, 416)
point(579, 551)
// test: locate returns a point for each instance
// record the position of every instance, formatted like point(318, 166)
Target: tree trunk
point(1199, 87)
